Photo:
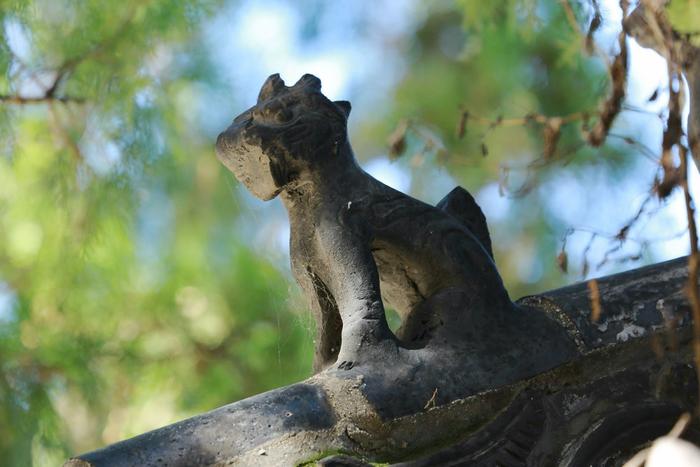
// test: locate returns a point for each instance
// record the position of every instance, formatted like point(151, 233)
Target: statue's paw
point(346, 365)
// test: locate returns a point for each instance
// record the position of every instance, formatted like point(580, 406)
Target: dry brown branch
point(531, 168)
point(70, 64)
point(594, 296)
point(586, 251)
point(691, 67)
point(656, 30)
point(612, 106)
point(609, 110)
point(674, 126)
point(593, 27)
point(499, 121)
point(397, 138)
point(587, 38)
point(693, 261)
point(570, 16)
point(550, 137)
point(63, 71)
point(61, 132)
point(22, 100)
point(563, 261)
point(651, 28)
point(622, 236)
point(643, 149)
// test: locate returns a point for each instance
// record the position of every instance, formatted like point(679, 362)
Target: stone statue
point(355, 241)
point(470, 378)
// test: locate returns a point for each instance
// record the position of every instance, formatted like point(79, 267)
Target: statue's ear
point(344, 106)
point(309, 81)
point(273, 85)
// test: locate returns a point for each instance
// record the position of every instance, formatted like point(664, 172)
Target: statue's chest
point(312, 240)
point(304, 251)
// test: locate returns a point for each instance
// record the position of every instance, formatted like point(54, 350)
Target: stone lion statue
point(356, 241)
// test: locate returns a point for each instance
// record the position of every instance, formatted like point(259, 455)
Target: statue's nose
point(273, 85)
point(221, 143)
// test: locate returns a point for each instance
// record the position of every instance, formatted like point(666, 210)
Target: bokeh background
point(140, 284)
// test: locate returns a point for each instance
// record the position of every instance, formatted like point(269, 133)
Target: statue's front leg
point(325, 312)
point(354, 282)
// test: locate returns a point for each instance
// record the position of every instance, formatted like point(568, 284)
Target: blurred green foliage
point(685, 18)
point(134, 298)
point(123, 320)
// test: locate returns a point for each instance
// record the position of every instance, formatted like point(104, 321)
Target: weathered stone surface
point(224, 433)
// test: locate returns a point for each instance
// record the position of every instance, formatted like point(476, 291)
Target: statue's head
point(284, 136)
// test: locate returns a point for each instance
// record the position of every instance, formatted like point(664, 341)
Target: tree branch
point(651, 28)
point(23, 100)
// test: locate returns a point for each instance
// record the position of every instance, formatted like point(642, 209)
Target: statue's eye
point(284, 115)
point(273, 113)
